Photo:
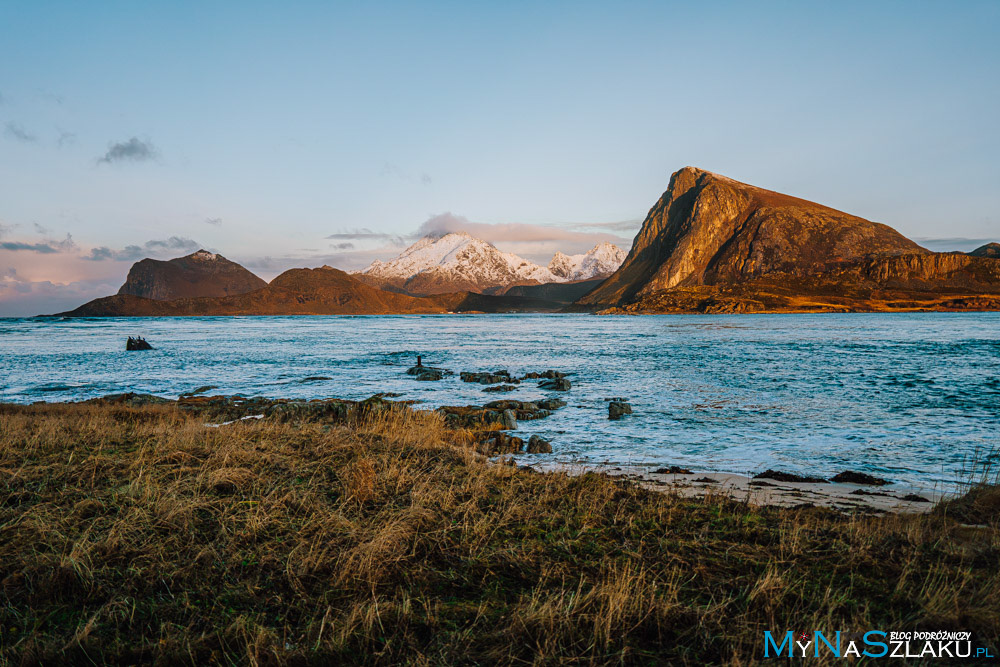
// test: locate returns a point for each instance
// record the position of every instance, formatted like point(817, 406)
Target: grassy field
point(138, 535)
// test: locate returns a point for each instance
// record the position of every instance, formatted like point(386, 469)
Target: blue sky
point(259, 130)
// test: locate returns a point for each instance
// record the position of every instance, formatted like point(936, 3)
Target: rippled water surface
point(906, 396)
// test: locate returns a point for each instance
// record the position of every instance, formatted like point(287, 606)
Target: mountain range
point(709, 244)
point(458, 262)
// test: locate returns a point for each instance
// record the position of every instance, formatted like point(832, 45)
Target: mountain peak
point(600, 261)
point(708, 229)
point(199, 274)
point(454, 262)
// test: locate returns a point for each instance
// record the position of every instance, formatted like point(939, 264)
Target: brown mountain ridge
point(322, 291)
point(199, 274)
point(712, 244)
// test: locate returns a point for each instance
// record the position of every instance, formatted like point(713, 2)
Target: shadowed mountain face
point(989, 250)
point(712, 244)
point(199, 274)
point(323, 291)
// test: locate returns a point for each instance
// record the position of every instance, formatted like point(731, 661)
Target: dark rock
point(130, 399)
point(316, 378)
point(495, 443)
point(851, 477)
point(427, 373)
point(672, 470)
point(862, 492)
point(779, 476)
point(137, 344)
point(501, 388)
point(618, 408)
point(761, 483)
point(508, 419)
point(914, 498)
point(199, 390)
point(551, 404)
point(558, 384)
point(537, 445)
point(707, 480)
point(504, 405)
point(488, 378)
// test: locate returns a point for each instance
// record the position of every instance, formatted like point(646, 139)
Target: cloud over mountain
point(175, 245)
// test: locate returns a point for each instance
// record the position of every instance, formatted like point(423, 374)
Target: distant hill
point(322, 291)
point(712, 244)
point(200, 274)
point(991, 250)
point(564, 293)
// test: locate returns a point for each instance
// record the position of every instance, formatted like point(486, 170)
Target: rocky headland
point(715, 245)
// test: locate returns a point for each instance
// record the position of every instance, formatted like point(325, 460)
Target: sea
point(911, 397)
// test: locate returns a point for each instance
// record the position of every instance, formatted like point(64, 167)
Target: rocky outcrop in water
point(137, 344)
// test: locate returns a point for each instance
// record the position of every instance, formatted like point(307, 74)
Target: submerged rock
point(428, 373)
point(558, 384)
point(488, 378)
point(501, 388)
point(618, 408)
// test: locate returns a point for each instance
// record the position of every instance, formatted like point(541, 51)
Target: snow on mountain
point(458, 261)
point(453, 262)
point(601, 260)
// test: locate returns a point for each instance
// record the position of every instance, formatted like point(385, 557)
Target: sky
point(311, 133)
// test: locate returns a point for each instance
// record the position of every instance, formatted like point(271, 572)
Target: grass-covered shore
point(138, 535)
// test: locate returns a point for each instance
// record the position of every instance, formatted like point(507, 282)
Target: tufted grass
point(138, 535)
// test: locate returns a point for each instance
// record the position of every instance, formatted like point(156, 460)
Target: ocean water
point(909, 397)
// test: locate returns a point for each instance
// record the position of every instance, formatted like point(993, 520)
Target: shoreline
point(839, 496)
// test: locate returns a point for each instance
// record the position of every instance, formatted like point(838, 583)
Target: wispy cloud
point(213, 221)
point(395, 171)
point(65, 138)
point(342, 246)
point(620, 226)
point(45, 247)
point(365, 234)
point(16, 131)
point(171, 247)
point(133, 150)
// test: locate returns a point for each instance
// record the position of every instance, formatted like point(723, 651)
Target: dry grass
point(138, 535)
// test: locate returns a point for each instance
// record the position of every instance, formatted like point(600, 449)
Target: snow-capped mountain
point(454, 262)
point(459, 262)
point(599, 262)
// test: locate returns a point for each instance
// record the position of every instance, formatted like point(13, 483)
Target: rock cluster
point(488, 378)
point(618, 408)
